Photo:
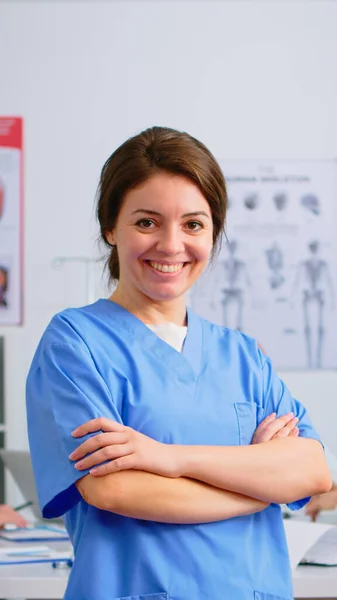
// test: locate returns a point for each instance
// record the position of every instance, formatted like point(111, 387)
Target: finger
point(311, 511)
point(294, 432)
point(96, 442)
point(266, 421)
point(287, 429)
point(278, 424)
point(11, 516)
point(120, 464)
point(100, 424)
point(268, 432)
point(261, 427)
point(109, 453)
point(16, 520)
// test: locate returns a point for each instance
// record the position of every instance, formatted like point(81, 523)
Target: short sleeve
point(64, 390)
point(278, 399)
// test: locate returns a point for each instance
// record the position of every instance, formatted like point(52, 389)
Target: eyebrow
point(158, 214)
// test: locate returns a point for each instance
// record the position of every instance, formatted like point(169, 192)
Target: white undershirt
point(172, 334)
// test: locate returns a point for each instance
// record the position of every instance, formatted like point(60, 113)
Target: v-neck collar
point(192, 347)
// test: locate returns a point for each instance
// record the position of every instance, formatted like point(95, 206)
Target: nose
point(170, 241)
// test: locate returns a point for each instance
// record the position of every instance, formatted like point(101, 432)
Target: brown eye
point(145, 223)
point(194, 225)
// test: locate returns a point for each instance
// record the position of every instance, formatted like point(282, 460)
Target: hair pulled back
point(140, 158)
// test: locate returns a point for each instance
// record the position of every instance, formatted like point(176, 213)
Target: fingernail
point(78, 465)
point(93, 471)
point(73, 455)
point(74, 432)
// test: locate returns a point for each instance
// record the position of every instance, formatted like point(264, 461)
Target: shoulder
point(72, 324)
point(68, 328)
point(236, 344)
point(64, 327)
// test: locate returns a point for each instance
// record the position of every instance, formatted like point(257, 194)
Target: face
point(163, 236)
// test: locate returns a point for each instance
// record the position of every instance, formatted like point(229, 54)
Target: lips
point(166, 267)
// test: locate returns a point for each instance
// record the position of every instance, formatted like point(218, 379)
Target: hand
point(124, 448)
point(320, 502)
point(9, 515)
point(272, 428)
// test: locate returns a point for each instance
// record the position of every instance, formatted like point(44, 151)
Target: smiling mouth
point(165, 268)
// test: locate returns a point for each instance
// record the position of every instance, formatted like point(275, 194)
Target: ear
point(110, 237)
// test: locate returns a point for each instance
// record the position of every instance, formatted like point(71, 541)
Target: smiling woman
point(163, 252)
point(167, 442)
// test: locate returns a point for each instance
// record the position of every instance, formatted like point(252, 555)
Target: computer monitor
point(19, 463)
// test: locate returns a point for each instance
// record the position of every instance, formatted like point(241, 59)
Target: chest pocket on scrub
point(246, 414)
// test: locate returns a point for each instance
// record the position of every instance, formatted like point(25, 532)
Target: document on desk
point(324, 552)
point(33, 554)
point(43, 533)
point(311, 543)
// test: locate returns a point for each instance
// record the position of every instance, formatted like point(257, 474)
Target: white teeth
point(166, 268)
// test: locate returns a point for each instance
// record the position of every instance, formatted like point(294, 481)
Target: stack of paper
point(37, 533)
point(13, 555)
point(311, 543)
point(324, 551)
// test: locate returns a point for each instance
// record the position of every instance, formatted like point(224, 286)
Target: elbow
point(323, 484)
point(318, 471)
point(305, 486)
point(100, 492)
point(312, 485)
point(306, 475)
point(314, 476)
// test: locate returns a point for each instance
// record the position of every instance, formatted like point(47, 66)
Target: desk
point(32, 581)
point(41, 581)
point(315, 582)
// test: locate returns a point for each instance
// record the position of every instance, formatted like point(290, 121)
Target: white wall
point(250, 79)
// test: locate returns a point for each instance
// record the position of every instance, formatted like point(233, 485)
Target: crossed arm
point(192, 484)
point(152, 497)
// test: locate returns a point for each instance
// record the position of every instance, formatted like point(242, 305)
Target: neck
point(150, 311)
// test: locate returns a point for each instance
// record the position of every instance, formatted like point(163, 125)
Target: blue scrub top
point(101, 360)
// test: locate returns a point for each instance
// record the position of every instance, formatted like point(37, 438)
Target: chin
point(164, 295)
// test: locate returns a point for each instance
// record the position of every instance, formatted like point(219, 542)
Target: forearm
point(282, 470)
point(151, 497)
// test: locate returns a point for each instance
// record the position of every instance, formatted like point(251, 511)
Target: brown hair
point(139, 158)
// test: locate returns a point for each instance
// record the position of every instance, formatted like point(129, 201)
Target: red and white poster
point(11, 221)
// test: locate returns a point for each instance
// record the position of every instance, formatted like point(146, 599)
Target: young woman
point(166, 441)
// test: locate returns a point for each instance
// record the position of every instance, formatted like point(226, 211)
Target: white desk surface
point(41, 581)
point(38, 580)
point(315, 582)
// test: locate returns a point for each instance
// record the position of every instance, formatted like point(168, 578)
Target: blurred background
point(251, 79)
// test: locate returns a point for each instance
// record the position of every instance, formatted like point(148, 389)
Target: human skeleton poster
point(275, 277)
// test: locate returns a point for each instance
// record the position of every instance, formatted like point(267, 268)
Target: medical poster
point(11, 207)
point(275, 277)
